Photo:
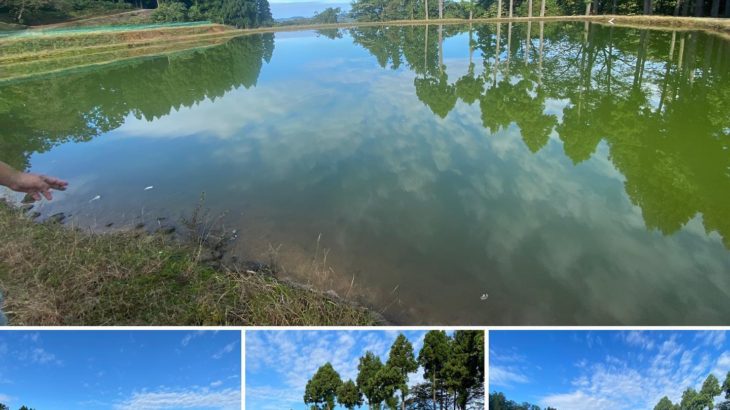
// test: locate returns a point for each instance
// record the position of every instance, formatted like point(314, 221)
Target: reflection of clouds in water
point(359, 155)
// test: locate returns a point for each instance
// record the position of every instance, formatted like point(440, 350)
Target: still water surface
point(575, 174)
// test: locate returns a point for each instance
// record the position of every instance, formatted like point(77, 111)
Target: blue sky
point(627, 370)
point(121, 370)
point(298, 8)
point(279, 363)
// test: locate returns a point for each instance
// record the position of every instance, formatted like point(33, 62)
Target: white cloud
point(619, 383)
point(715, 338)
point(228, 399)
point(190, 336)
point(41, 356)
point(722, 366)
point(640, 339)
point(225, 350)
point(216, 383)
point(272, 395)
point(505, 377)
point(577, 401)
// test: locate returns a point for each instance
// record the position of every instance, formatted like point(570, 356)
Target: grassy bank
point(54, 275)
point(139, 16)
point(31, 55)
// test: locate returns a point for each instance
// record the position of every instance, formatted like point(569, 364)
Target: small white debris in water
point(95, 198)
point(149, 187)
point(484, 296)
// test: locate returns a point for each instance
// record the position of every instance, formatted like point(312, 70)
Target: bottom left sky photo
point(120, 370)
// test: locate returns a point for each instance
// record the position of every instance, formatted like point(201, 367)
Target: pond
point(512, 174)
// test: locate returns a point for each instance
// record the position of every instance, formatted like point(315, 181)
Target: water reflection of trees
point(38, 114)
point(659, 100)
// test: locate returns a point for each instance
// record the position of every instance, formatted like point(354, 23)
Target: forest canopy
point(382, 10)
point(239, 13)
point(498, 401)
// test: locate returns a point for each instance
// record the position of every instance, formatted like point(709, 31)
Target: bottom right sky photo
point(606, 369)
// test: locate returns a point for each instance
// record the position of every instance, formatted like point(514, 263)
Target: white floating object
point(95, 198)
point(484, 296)
point(149, 187)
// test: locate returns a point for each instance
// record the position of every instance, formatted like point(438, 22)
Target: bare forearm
point(8, 176)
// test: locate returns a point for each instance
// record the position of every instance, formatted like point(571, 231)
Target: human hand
point(35, 185)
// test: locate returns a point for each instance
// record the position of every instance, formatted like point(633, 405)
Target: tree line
point(6, 407)
point(452, 365)
point(239, 13)
point(498, 401)
point(383, 10)
point(700, 400)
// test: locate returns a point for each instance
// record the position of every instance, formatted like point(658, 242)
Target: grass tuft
point(53, 275)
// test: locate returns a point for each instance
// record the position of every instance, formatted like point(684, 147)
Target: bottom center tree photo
point(364, 369)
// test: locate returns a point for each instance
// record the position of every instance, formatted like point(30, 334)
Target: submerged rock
point(57, 218)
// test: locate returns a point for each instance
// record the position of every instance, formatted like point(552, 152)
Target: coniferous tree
point(666, 404)
point(368, 367)
point(263, 13)
point(349, 396)
point(710, 390)
point(433, 357)
point(402, 361)
point(321, 389)
point(725, 388)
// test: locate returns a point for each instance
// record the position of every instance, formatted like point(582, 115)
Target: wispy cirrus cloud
point(226, 399)
point(225, 350)
point(667, 367)
point(505, 376)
